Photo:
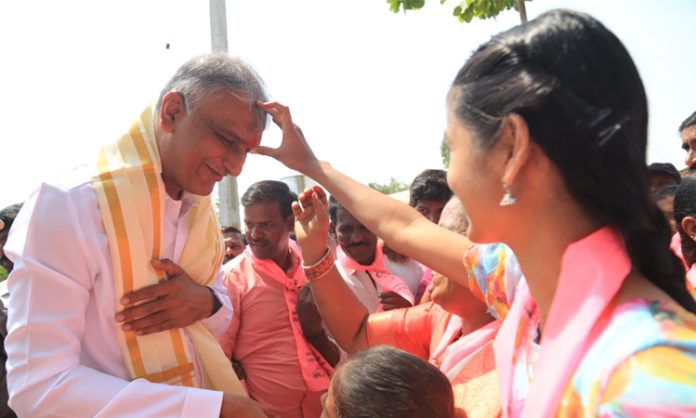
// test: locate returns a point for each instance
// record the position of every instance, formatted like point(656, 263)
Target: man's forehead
point(689, 133)
point(265, 209)
point(345, 217)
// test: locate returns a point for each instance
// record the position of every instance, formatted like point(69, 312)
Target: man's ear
point(172, 108)
point(517, 145)
point(332, 230)
point(689, 226)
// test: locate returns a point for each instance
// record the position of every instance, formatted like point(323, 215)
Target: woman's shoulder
point(643, 361)
point(494, 275)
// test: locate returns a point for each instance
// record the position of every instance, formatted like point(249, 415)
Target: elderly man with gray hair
point(116, 298)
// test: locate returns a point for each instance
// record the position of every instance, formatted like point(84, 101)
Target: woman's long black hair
point(579, 91)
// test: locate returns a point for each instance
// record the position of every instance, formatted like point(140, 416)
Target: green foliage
point(395, 5)
point(465, 11)
point(445, 153)
point(394, 186)
point(3, 274)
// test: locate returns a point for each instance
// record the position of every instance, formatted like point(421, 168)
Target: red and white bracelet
point(319, 269)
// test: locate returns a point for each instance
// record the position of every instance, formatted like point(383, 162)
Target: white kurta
point(409, 271)
point(364, 288)
point(64, 358)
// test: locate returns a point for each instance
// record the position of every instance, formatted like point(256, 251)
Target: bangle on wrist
point(320, 268)
point(326, 252)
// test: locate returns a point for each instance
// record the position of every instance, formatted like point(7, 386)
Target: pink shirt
point(261, 338)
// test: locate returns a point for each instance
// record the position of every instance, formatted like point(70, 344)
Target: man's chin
point(262, 255)
point(362, 257)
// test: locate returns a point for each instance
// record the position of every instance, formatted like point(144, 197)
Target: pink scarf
point(386, 281)
point(592, 272)
point(450, 352)
point(315, 370)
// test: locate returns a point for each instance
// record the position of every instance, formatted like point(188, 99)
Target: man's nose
point(357, 236)
point(255, 232)
point(234, 162)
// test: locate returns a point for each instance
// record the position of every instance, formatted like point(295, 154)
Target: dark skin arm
point(174, 303)
point(312, 327)
point(392, 300)
point(340, 309)
point(237, 406)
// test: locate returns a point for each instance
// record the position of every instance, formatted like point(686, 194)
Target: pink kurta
point(426, 331)
point(261, 338)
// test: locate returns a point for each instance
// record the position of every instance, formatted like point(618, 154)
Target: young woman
point(547, 129)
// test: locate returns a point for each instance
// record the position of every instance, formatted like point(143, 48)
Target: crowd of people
point(549, 272)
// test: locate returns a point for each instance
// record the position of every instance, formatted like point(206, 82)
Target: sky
point(367, 86)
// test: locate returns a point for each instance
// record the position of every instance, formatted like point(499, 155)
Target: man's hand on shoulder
point(392, 300)
point(174, 303)
point(307, 313)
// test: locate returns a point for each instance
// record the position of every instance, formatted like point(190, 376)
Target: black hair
point(688, 122)
point(578, 90)
point(383, 382)
point(666, 191)
point(685, 205)
point(229, 229)
point(334, 206)
point(430, 184)
point(9, 214)
point(665, 168)
point(270, 191)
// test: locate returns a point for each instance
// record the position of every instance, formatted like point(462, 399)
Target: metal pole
point(523, 11)
point(227, 189)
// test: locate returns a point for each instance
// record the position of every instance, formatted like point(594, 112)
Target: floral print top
point(643, 363)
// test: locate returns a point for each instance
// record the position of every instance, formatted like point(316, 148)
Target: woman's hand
point(312, 224)
point(293, 151)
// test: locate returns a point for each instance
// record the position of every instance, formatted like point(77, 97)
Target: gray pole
point(227, 189)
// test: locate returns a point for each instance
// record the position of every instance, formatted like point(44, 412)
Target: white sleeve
point(218, 323)
point(51, 287)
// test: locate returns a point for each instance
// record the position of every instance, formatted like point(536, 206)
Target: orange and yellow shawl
point(131, 194)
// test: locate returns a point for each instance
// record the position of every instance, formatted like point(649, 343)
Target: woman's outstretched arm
point(399, 225)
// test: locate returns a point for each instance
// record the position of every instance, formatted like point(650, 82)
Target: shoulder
point(75, 183)
point(67, 199)
point(240, 275)
point(238, 267)
point(647, 350)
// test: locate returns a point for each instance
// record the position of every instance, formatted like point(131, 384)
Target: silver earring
point(508, 199)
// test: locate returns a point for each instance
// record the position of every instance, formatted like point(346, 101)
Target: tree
point(468, 9)
point(393, 186)
point(445, 153)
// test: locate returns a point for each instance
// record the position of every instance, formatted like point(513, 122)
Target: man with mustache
point(362, 265)
point(234, 243)
point(282, 371)
point(687, 131)
point(116, 295)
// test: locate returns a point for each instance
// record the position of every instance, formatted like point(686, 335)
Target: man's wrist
point(315, 335)
point(216, 302)
point(313, 254)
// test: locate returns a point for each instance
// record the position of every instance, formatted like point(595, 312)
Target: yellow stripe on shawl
point(135, 364)
point(130, 193)
point(151, 177)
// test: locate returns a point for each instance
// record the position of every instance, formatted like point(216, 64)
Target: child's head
point(384, 382)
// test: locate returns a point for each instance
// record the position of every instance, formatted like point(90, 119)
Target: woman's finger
point(296, 209)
